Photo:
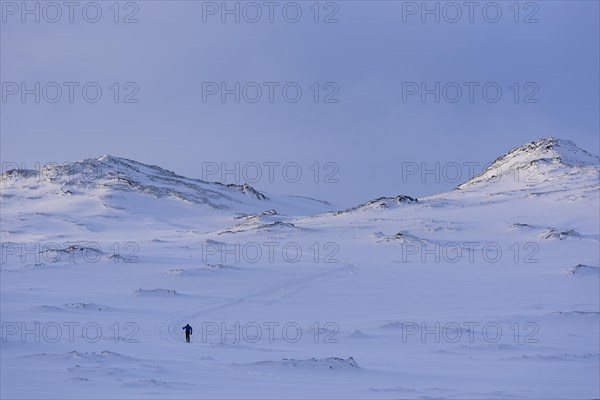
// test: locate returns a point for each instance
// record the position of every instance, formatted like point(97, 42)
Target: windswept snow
point(488, 291)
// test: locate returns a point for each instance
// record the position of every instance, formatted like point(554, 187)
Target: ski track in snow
point(171, 330)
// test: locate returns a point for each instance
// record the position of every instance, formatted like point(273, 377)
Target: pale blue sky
point(369, 133)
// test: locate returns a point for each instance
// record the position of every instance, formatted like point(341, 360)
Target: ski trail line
point(170, 329)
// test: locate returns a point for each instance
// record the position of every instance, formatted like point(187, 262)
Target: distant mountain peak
point(563, 151)
point(124, 175)
point(538, 161)
point(113, 180)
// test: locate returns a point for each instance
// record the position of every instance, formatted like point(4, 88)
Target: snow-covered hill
point(546, 161)
point(488, 291)
point(134, 197)
point(106, 177)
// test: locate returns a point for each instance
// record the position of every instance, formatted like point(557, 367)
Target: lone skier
point(188, 332)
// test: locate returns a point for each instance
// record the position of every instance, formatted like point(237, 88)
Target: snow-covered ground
point(488, 291)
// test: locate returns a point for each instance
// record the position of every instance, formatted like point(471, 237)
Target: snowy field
point(487, 291)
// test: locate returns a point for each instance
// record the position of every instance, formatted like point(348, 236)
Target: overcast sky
point(353, 95)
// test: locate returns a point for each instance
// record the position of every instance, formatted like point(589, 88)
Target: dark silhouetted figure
point(188, 332)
